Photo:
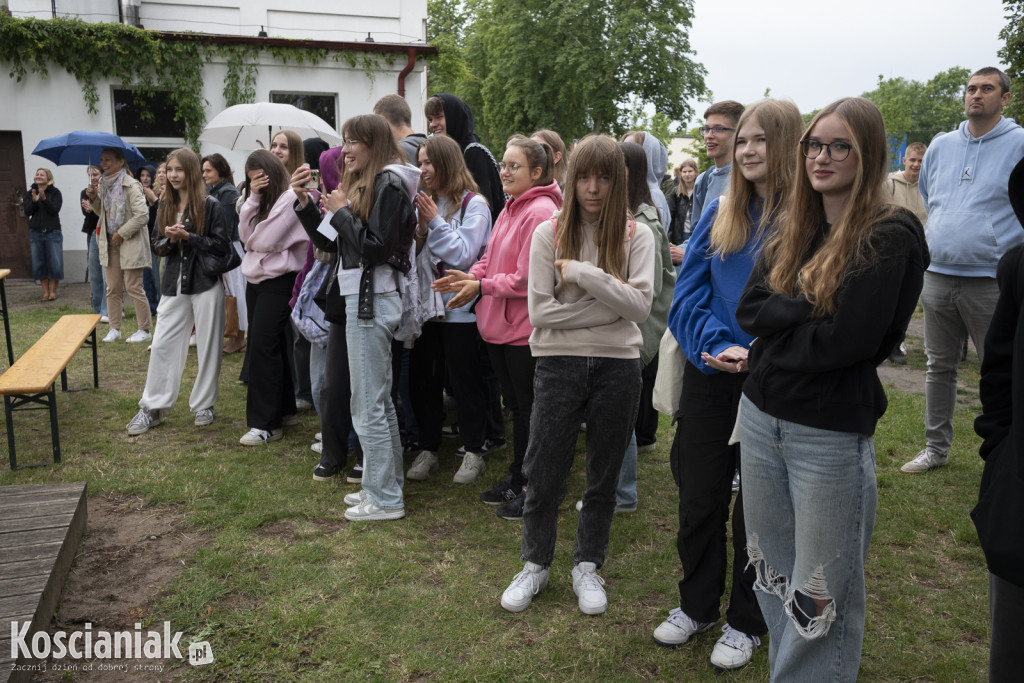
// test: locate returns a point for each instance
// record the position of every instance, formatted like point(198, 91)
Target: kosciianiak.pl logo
point(95, 644)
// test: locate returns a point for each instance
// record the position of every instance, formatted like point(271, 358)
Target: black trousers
point(335, 399)
point(270, 394)
point(703, 464)
point(457, 347)
point(647, 416)
point(514, 366)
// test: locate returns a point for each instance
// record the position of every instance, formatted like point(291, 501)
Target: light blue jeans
point(625, 493)
point(809, 499)
point(317, 362)
point(373, 413)
point(97, 281)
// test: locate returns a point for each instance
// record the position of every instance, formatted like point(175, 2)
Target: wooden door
point(14, 243)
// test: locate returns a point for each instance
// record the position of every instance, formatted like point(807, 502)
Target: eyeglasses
point(837, 151)
point(511, 168)
point(717, 130)
point(349, 143)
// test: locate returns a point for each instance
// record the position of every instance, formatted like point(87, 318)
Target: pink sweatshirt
point(501, 313)
point(275, 245)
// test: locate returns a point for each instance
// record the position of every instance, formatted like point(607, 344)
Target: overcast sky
point(814, 52)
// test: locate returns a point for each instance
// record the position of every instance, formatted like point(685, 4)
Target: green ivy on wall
point(146, 63)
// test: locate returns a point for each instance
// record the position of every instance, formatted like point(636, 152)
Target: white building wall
point(41, 108)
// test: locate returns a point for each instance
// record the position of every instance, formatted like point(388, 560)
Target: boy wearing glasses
point(719, 131)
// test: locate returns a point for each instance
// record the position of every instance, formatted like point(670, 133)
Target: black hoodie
point(458, 121)
point(820, 372)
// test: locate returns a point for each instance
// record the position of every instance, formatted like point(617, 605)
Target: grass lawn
point(285, 589)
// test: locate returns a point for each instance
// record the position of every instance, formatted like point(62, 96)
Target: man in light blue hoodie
point(719, 132)
point(970, 226)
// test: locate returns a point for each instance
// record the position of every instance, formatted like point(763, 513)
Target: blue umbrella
point(83, 147)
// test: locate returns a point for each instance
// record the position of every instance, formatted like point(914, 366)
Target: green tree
point(574, 66)
point(921, 110)
point(448, 69)
point(1012, 54)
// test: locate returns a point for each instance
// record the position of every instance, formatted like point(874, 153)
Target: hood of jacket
point(332, 165)
point(410, 176)
point(458, 120)
point(898, 177)
point(909, 222)
point(515, 205)
point(657, 163)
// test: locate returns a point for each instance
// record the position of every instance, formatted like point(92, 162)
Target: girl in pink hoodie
point(499, 280)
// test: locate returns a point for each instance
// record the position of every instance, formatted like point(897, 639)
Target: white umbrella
point(252, 126)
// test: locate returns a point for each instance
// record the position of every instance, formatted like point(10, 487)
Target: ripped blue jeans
point(809, 499)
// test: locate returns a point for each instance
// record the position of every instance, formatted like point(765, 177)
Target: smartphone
point(314, 180)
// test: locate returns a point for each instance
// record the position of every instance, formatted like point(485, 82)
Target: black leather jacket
point(181, 257)
point(383, 240)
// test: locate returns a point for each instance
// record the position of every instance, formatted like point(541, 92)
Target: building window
point(151, 117)
point(323, 106)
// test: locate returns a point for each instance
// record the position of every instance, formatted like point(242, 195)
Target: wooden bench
point(32, 378)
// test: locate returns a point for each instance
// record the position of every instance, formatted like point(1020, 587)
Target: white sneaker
point(112, 336)
point(527, 583)
point(139, 337)
point(105, 319)
point(589, 588)
point(367, 511)
point(192, 340)
point(258, 437)
point(203, 417)
point(143, 420)
point(357, 498)
point(926, 460)
point(473, 466)
point(317, 447)
point(678, 629)
point(319, 436)
point(422, 466)
point(734, 649)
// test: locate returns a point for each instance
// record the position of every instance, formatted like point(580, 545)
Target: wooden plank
point(29, 523)
point(26, 499)
point(38, 368)
point(18, 539)
point(13, 570)
point(34, 552)
point(17, 604)
point(41, 510)
point(24, 586)
point(37, 490)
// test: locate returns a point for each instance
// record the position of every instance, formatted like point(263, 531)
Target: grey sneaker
point(473, 466)
point(678, 628)
point(422, 466)
point(143, 420)
point(589, 588)
point(203, 417)
point(527, 583)
point(926, 460)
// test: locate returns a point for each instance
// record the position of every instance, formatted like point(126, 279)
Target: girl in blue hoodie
point(721, 255)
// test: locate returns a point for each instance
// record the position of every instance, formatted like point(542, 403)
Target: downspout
point(411, 52)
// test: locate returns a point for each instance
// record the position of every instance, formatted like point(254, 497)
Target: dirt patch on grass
point(130, 553)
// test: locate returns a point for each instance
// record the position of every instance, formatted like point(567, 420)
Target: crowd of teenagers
point(378, 277)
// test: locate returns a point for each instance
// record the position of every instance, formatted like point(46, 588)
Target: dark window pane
point(321, 105)
point(131, 120)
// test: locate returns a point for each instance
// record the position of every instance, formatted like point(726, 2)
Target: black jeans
point(455, 346)
point(703, 464)
point(567, 391)
point(647, 416)
point(335, 400)
point(514, 366)
point(270, 394)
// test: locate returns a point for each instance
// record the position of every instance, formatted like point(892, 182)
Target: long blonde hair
point(194, 185)
point(597, 155)
point(296, 153)
point(847, 248)
point(735, 226)
point(374, 132)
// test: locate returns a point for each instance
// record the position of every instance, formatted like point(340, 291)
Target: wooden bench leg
point(10, 431)
point(54, 428)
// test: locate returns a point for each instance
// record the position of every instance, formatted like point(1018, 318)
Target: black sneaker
point(490, 446)
point(325, 473)
point(500, 494)
point(355, 475)
point(513, 510)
